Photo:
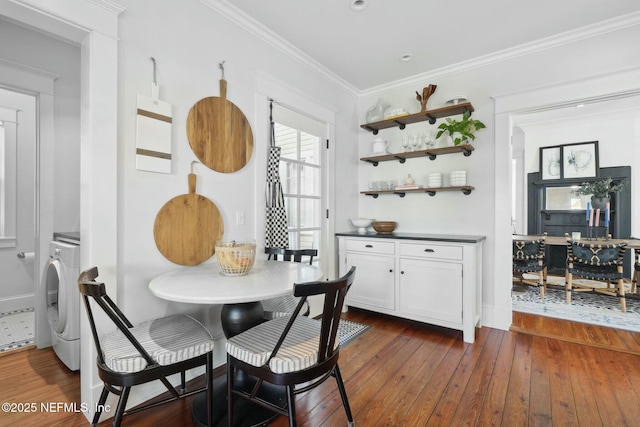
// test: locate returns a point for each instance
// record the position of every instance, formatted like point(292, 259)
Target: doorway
point(511, 110)
point(46, 69)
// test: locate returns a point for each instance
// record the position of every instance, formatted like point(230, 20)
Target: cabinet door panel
point(431, 288)
point(374, 284)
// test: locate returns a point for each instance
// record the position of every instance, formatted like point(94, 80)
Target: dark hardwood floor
point(401, 373)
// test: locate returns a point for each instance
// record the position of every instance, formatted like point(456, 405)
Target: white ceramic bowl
point(361, 224)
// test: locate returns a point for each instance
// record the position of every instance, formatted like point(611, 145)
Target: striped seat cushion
point(299, 350)
point(282, 306)
point(168, 340)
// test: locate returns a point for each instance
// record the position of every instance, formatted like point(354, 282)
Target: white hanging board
point(153, 135)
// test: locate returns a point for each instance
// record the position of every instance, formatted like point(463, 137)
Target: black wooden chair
point(153, 350)
point(294, 351)
point(528, 257)
point(284, 306)
point(600, 262)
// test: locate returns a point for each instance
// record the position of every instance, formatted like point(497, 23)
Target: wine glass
point(405, 142)
point(430, 139)
point(415, 141)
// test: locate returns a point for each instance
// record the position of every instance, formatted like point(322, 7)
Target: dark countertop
point(459, 238)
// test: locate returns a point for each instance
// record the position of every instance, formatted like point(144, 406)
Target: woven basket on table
point(234, 257)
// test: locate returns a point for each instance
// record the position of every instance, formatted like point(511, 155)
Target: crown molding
point(112, 7)
point(599, 28)
point(249, 24)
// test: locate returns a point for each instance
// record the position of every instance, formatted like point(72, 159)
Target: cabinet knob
point(368, 246)
point(391, 270)
point(401, 271)
point(429, 250)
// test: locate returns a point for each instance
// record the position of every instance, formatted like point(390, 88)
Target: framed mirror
point(563, 199)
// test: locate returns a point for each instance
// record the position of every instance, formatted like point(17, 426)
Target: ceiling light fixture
point(359, 5)
point(406, 57)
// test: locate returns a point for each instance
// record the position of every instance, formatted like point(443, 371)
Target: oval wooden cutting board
point(219, 134)
point(187, 227)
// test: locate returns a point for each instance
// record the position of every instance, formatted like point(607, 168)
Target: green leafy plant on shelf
point(460, 131)
point(601, 188)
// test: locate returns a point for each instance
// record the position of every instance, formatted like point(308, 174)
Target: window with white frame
point(301, 140)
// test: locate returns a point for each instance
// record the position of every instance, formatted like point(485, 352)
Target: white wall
point(476, 213)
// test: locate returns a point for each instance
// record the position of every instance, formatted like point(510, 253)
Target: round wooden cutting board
point(187, 227)
point(219, 134)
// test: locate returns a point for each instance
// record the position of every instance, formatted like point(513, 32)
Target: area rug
point(16, 329)
point(590, 308)
point(349, 330)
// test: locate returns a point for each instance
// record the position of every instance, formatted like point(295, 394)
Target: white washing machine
point(63, 301)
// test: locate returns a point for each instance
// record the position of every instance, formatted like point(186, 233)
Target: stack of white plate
point(434, 180)
point(458, 178)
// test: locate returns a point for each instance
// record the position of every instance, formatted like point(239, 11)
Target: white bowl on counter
point(361, 224)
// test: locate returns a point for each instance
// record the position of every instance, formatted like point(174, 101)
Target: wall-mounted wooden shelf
point(428, 115)
point(466, 189)
point(432, 153)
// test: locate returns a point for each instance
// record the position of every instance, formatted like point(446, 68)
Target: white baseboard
point(496, 318)
point(17, 302)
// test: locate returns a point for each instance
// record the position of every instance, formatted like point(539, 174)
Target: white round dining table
point(241, 310)
point(207, 284)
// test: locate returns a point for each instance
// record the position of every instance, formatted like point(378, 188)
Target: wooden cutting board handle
point(192, 183)
point(223, 89)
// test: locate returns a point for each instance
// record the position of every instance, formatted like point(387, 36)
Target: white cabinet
point(434, 279)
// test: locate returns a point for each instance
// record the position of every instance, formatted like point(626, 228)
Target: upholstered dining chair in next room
point(296, 352)
point(528, 257)
point(153, 350)
point(284, 306)
point(600, 262)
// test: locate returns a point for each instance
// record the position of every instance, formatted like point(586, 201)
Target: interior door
point(17, 198)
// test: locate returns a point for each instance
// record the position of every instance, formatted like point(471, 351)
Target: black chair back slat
point(294, 255)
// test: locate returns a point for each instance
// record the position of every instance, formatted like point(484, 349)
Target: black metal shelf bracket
point(401, 159)
point(431, 193)
point(375, 131)
point(466, 151)
point(400, 124)
point(432, 120)
point(400, 194)
point(430, 155)
point(466, 191)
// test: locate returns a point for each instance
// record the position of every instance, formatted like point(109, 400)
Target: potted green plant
point(460, 131)
point(600, 191)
